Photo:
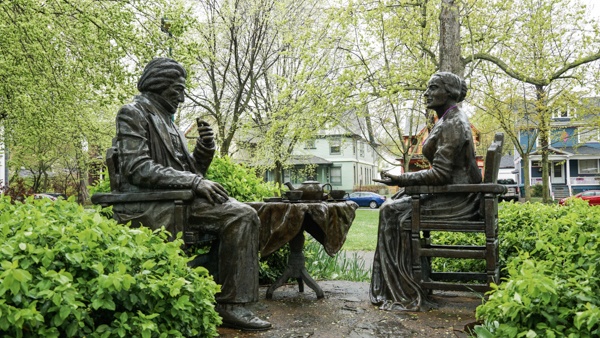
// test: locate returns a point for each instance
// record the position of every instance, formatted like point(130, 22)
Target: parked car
point(512, 190)
point(592, 196)
point(53, 196)
point(42, 196)
point(367, 199)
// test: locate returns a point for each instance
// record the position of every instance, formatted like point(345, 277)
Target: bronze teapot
point(311, 190)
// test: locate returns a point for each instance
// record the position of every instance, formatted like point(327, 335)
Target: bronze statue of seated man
point(153, 157)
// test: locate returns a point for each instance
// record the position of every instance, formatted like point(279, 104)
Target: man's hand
point(212, 191)
point(205, 132)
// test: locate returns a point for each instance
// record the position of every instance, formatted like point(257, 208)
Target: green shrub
point(273, 266)
point(553, 278)
point(18, 189)
point(101, 185)
point(241, 182)
point(453, 264)
point(68, 272)
point(536, 190)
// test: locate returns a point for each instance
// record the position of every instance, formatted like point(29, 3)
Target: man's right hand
point(205, 132)
point(212, 191)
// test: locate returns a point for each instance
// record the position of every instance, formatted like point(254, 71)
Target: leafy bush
point(240, 181)
point(69, 272)
point(101, 185)
point(18, 190)
point(536, 190)
point(273, 266)
point(453, 264)
point(553, 280)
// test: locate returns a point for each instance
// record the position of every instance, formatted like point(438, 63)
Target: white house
point(342, 159)
point(336, 156)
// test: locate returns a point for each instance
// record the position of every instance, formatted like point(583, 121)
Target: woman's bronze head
point(453, 84)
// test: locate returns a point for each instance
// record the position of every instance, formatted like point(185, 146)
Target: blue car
point(366, 199)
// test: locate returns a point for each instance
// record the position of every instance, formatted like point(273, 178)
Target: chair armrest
point(487, 188)
point(150, 196)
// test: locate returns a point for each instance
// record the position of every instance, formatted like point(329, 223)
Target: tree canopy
point(66, 66)
point(272, 73)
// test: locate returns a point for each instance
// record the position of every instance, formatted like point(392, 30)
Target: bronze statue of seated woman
point(450, 150)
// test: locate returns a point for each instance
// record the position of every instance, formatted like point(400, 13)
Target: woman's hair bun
point(454, 85)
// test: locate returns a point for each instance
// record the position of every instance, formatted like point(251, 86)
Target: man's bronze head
point(165, 77)
point(159, 74)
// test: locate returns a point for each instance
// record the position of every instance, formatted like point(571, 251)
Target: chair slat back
point(492, 160)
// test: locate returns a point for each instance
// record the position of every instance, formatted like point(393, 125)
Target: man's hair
point(454, 85)
point(159, 74)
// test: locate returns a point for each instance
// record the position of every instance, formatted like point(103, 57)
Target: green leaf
point(72, 329)
point(65, 311)
point(482, 332)
point(21, 275)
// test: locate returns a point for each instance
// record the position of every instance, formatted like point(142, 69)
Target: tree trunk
point(83, 194)
point(526, 177)
point(543, 133)
point(450, 59)
point(225, 141)
point(406, 161)
point(278, 173)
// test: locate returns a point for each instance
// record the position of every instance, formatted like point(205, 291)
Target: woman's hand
point(387, 178)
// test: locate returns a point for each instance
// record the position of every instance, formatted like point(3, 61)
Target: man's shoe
point(236, 316)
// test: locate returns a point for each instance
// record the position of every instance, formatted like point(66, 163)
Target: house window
point(589, 135)
point(589, 166)
point(362, 149)
point(310, 144)
point(561, 112)
point(336, 176)
point(335, 146)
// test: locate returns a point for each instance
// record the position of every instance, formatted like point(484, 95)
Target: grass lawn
point(362, 235)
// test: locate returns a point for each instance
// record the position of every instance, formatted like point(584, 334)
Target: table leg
point(296, 269)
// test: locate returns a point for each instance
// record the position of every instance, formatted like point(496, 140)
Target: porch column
point(568, 175)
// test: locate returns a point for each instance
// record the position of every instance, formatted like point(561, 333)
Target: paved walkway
point(347, 312)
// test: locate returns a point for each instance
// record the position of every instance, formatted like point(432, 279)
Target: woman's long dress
point(450, 150)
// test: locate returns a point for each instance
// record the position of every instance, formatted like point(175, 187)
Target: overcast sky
point(593, 6)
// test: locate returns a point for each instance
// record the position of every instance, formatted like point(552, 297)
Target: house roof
point(308, 159)
point(583, 150)
point(569, 151)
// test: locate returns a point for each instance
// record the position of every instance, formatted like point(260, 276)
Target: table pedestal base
point(296, 269)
